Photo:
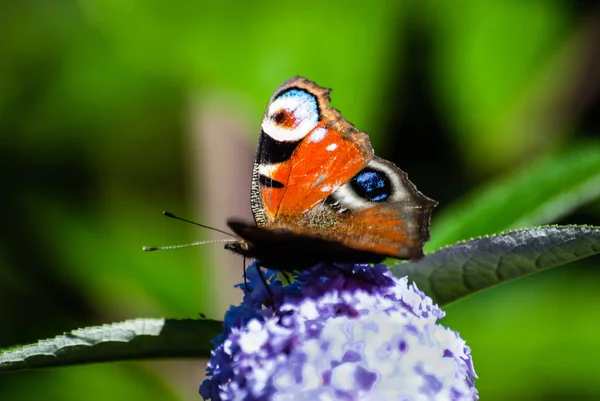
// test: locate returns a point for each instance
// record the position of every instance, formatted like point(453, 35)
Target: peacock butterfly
point(319, 194)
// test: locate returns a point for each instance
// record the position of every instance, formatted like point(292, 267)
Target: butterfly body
point(319, 194)
point(286, 250)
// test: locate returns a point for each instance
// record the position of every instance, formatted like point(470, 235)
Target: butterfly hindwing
point(380, 209)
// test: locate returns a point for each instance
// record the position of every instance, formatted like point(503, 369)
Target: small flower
point(337, 333)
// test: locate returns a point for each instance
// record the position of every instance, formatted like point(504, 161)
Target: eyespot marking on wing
point(372, 185)
point(291, 115)
point(378, 182)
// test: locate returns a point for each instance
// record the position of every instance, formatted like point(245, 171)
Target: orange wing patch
point(384, 230)
point(273, 195)
point(325, 160)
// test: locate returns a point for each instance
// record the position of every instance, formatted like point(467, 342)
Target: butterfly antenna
point(171, 215)
point(169, 247)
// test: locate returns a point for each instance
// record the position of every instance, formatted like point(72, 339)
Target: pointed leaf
point(462, 269)
point(132, 339)
point(541, 194)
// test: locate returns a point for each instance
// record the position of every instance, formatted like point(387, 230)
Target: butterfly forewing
point(301, 159)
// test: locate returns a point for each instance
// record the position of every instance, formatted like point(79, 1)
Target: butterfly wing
point(306, 151)
point(379, 209)
point(316, 176)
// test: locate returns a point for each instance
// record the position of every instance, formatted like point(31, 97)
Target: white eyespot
point(299, 107)
point(317, 135)
point(332, 147)
point(345, 197)
point(268, 170)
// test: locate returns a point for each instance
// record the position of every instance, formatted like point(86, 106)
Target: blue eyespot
point(371, 185)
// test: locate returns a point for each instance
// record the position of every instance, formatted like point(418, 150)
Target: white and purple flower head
point(347, 333)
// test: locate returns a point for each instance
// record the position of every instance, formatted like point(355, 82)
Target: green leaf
point(548, 190)
point(462, 269)
point(132, 339)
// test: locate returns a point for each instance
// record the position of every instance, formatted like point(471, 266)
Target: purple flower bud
point(338, 333)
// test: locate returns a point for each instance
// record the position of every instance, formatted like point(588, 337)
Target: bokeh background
point(113, 111)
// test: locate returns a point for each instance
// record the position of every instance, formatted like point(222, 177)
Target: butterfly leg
point(264, 281)
point(245, 277)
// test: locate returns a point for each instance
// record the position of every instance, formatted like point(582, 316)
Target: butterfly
point(319, 193)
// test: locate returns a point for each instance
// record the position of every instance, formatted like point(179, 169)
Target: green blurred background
point(113, 111)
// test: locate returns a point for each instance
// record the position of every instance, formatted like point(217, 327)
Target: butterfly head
point(240, 247)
